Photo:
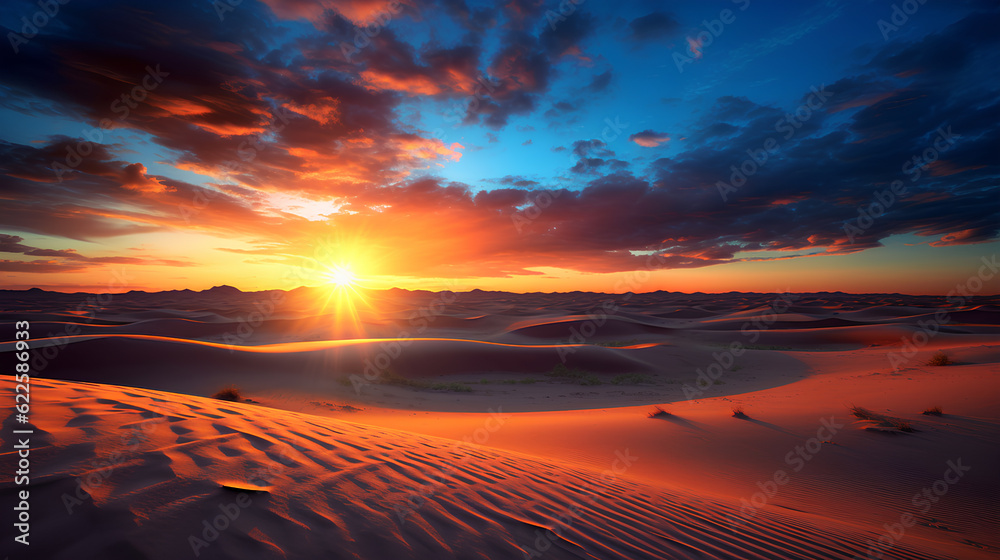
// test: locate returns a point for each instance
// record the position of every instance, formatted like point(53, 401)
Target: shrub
point(590, 379)
point(738, 413)
point(228, 393)
point(658, 412)
point(864, 413)
point(560, 371)
point(882, 420)
point(901, 425)
point(934, 411)
point(940, 359)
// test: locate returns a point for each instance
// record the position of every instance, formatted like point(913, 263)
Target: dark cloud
point(653, 26)
point(595, 157)
point(600, 82)
point(472, 19)
point(561, 108)
point(557, 39)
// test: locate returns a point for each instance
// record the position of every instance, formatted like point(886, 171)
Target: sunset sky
point(505, 146)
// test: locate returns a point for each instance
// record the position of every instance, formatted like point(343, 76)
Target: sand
point(445, 426)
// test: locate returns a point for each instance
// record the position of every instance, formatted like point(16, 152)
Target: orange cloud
point(134, 177)
point(359, 12)
point(430, 148)
point(694, 45)
point(178, 107)
point(412, 85)
point(324, 113)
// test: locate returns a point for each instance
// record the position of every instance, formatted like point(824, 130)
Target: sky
point(526, 145)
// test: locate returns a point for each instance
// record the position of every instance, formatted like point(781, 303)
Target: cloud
point(600, 82)
point(568, 33)
point(649, 139)
point(359, 12)
point(656, 25)
point(66, 260)
point(272, 112)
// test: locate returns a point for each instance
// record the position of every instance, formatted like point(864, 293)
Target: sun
point(341, 276)
point(344, 298)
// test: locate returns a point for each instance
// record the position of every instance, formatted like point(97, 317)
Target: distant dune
point(485, 425)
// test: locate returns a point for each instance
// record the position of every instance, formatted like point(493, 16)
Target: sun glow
point(341, 276)
point(345, 298)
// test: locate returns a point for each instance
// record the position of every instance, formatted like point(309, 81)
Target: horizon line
point(226, 286)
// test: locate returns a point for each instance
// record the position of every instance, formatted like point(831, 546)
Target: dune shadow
point(774, 427)
point(682, 422)
point(965, 421)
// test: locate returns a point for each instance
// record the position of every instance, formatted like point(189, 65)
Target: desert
point(491, 435)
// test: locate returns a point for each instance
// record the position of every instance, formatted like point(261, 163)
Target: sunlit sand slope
point(134, 473)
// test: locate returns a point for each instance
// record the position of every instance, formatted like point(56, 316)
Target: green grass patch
point(630, 379)
point(574, 375)
point(453, 386)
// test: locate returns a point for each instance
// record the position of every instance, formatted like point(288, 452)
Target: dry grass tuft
point(940, 359)
point(881, 420)
point(658, 413)
point(229, 393)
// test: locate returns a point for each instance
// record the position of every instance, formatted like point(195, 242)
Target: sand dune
point(152, 472)
point(353, 422)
